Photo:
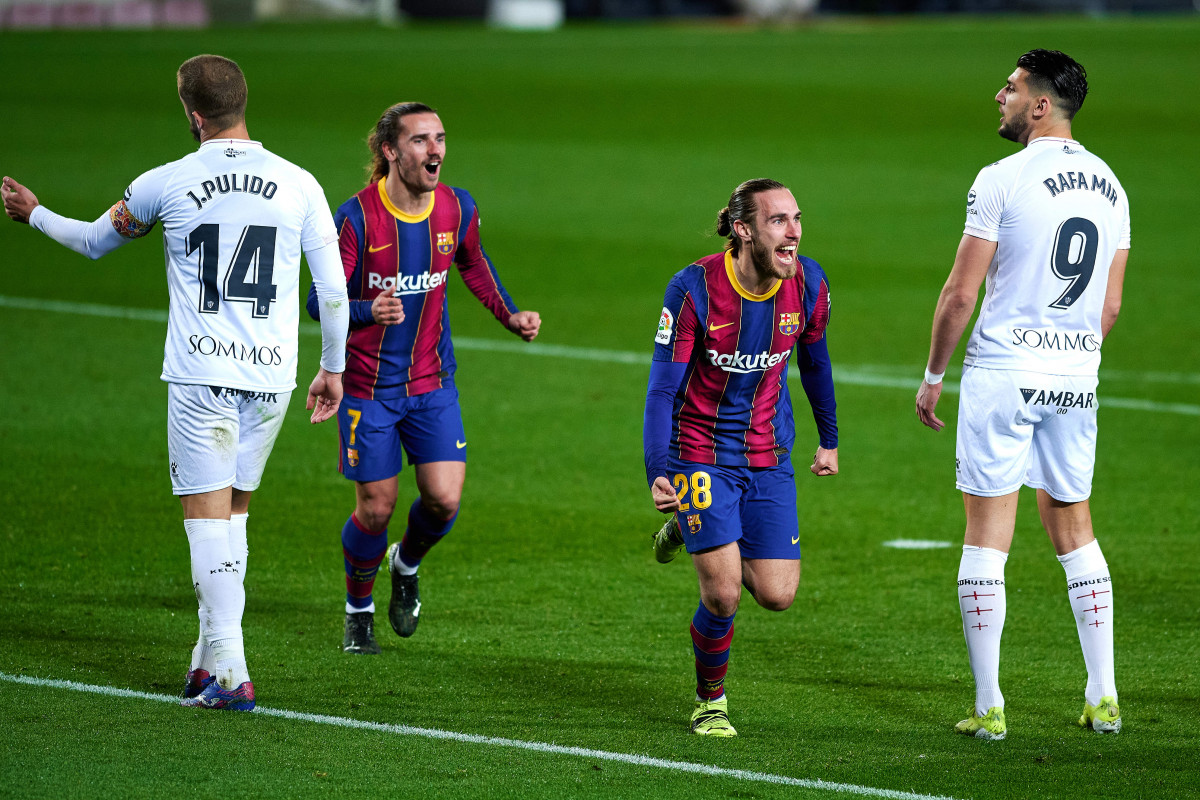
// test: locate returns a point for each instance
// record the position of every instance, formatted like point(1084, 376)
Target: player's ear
point(742, 229)
point(389, 152)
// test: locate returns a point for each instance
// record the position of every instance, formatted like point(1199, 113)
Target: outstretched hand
point(324, 395)
point(19, 202)
point(525, 324)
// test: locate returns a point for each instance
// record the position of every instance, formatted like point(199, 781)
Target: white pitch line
point(886, 378)
point(471, 738)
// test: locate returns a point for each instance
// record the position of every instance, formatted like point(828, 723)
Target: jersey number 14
point(248, 276)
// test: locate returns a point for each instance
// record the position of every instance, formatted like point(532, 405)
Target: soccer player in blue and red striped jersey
point(719, 431)
point(399, 237)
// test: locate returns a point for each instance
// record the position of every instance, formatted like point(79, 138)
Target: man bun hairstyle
point(387, 129)
point(742, 206)
point(215, 87)
point(1057, 74)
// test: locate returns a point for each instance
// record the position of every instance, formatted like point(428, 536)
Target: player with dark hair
point(235, 220)
point(1048, 228)
point(718, 430)
point(399, 237)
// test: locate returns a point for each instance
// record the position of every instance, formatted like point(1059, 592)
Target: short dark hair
point(742, 206)
point(1056, 73)
point(387, 129)
point(215, 87)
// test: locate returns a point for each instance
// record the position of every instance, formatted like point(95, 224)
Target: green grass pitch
point(599, 157)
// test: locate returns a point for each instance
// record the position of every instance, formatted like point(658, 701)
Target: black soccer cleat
point(404, 608)
point(360, 634)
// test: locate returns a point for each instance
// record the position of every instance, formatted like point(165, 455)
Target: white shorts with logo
point(1026, 428)
point(220, 437)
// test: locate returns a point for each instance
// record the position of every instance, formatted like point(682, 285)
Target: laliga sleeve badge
point(666, 324)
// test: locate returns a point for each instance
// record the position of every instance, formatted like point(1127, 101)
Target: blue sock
point(362, 550)
point(423, 532)
point(711, 637)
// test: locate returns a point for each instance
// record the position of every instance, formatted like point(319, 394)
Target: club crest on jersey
point(693, 521)
point(352, 456)
point(790, 322)
point(445, 243)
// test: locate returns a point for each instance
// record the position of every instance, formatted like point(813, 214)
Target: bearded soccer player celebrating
point(399, 237)
point(718, 428)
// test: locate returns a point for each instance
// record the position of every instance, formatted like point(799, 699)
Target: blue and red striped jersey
point(732, 406)
point(386, 250)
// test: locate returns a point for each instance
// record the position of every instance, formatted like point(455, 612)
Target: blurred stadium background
point(525, 14)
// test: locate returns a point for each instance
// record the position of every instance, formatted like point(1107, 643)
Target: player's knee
point(375, 513)
point(776, 601)
point(723, 603)
point(442, 506)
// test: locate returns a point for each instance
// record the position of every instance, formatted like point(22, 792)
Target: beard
point(1015, 127)
point(763, 258)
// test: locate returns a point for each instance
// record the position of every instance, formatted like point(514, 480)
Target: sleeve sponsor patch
point(666, 327)
point(126, 223)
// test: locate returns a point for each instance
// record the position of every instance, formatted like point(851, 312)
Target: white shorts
point(220, 437)
point(1026, 428)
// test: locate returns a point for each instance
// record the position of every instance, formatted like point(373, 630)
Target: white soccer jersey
point(235, 218)
point(1058, 216)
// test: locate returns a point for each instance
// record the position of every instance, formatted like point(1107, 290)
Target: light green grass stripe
point(470, 738)
point(852, 376)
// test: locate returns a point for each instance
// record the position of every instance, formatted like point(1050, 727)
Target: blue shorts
point(753, 506)
point(428, 426)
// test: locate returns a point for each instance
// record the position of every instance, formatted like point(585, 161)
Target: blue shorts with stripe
point(375, 434)
point(753, 506)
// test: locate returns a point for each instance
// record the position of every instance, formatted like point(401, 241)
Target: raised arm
point(91, 239)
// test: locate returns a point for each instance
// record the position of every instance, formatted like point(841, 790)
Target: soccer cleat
point(711, 718)
point(668, 541)
point(213, 696)
point(404, 608)
point(197, 681)
point(1104, 717)
point(360, 634)
point(990, 726)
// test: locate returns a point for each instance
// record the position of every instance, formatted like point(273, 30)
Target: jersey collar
point(397, 213)
point(737, 286)
point(231, 143)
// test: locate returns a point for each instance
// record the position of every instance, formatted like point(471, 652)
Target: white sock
point(399, 566)
point(237, 543)
point(353, 610)
point(1089, 588)
point(222, 599)
point(982, 603)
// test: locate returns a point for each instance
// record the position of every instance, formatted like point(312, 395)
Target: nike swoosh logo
point(795, 539)
point(718, 327)
point(459, 445)
point(377, 249)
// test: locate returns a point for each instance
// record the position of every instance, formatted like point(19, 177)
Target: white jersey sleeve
point(1058, 215)
point(319, 241)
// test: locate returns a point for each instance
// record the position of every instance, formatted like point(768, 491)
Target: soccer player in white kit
point(235, 219)
point(1049, 229)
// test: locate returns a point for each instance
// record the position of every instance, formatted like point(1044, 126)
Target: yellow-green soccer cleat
point(1104, 717)
point(711, 718)
point(990, 726)
point(668, 541)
